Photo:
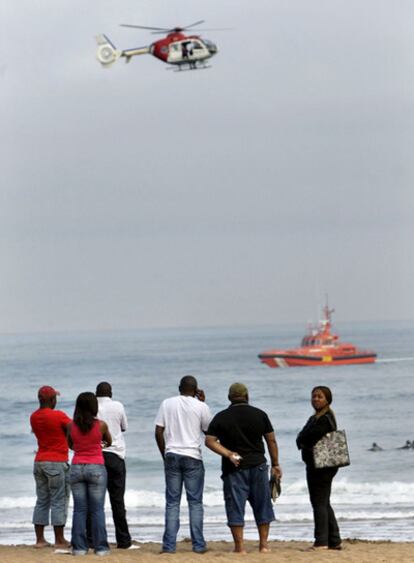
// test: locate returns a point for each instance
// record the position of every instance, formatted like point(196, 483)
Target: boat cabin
point(315, 341)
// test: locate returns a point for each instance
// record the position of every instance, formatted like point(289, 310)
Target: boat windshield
point(310, 341)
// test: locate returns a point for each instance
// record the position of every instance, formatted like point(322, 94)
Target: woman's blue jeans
point(179, 470)
point(88, 484)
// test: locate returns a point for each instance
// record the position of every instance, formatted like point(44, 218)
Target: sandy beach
point(354, 551)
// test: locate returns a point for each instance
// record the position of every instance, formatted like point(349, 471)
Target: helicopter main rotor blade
point(177, 29)
point(193, 24)
point(157, 30)
point(215, 29)
point(160, 29)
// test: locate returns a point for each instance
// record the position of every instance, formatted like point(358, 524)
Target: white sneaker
point(133, 546)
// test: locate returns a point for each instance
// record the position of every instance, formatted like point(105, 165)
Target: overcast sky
point(137, 197)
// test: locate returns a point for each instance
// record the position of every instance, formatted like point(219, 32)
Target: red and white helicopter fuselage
point(183, 51)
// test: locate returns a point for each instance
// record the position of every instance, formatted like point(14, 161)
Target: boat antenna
point(327, 311)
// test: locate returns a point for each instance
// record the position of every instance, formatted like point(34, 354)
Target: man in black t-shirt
point(237, 435)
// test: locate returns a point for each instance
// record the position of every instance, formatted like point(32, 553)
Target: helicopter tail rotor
point(106, 52)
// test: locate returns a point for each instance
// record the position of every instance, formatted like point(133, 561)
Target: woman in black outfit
point(320, 480)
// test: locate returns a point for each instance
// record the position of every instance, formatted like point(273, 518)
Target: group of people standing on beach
point(96, 437)
point(237, 434)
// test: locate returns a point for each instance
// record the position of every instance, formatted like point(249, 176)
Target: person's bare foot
point(265, 549)
point(316, 548)
point(62, 545)
point(41, 544)
point(239, 551)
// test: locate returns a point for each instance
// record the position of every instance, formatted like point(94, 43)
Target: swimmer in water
point(407, 446)
point(375, 448)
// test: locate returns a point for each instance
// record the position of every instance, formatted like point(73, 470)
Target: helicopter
point(183, 51)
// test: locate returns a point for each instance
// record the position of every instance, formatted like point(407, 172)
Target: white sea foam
point(344, 492)
point(281, 516)
point(17, 502)
point(349, 492)
point(157, 521)
point(16, 525)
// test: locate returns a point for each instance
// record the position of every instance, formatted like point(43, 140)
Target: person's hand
point(235, 458)
point(277, 471)
point(201, 396)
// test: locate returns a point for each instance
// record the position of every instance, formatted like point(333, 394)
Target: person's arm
point(273, 450)
point(159, 438)
point(66, 424)
point(106, 435)
point(206, 418)
point(65, 420)
point(201, 396)
point(313, 431)
point(124, 421)
point(68, 436)
point(214, 445)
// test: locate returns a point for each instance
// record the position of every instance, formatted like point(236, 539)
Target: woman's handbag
point(331, 450)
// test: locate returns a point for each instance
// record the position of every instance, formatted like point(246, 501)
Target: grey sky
point(135, 196)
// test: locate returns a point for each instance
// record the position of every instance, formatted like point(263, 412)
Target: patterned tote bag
point(331, 450)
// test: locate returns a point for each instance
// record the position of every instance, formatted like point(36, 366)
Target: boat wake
point(392, 360)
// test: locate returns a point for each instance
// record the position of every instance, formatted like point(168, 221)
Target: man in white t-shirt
point(113, 413)
point(179, 425)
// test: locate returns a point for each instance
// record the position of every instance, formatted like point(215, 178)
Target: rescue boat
point(319, 347)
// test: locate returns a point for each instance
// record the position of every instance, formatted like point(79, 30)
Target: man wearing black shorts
point(237, 435)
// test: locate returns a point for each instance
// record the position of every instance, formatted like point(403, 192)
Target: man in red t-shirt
point(51, 468)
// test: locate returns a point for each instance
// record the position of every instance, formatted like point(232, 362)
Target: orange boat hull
point(275, 359)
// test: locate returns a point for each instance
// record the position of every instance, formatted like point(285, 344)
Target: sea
point(373, 498)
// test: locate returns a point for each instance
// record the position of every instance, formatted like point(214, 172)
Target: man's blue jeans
point(88, 483)
point(179, 470)
point(52, 492)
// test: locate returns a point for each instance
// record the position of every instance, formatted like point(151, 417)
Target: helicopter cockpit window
point(210, 45)
point(197, 45)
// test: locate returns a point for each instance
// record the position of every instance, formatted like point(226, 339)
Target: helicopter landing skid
point(184, 67)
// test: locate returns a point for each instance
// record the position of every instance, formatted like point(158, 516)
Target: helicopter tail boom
point(107, 53)
point(128, 53)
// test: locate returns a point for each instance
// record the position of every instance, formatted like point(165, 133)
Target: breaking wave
point(344, 492)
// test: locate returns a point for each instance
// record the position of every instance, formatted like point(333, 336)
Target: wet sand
point(355, 551)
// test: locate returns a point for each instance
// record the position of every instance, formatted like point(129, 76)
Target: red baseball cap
point(47, 392)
